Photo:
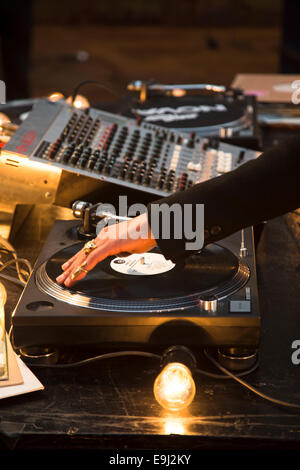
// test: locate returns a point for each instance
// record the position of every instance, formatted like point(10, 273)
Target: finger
point(76, 261)
point(90, 262)
point(68, 263)
point(75, 257)
point(76, 275)
point(62, 277)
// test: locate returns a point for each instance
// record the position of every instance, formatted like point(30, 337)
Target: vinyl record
point(210, 271)
point(204, 114)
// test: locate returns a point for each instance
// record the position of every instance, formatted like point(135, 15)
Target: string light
point(4, 119)
point(55, 96)
point(174, 388)
point(80, 102)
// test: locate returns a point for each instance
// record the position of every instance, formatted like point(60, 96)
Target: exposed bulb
point(4, 119)
point(80, 102)
point(56, 96)
point(178, 92)
point(174, 388)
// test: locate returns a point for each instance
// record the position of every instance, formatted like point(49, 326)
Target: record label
point(143, 264)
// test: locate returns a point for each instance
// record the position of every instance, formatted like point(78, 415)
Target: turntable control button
point(208, 304)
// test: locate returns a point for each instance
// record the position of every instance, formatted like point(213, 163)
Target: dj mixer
point(119, 150)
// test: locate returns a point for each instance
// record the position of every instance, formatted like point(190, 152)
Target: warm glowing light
point(174, 426)
point(174, 388)
point(4, 119)
point(80, 102)
point(3, 297)
point(178, 92)
point(56, 96)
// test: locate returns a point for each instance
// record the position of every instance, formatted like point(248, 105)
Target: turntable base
point(210, 299)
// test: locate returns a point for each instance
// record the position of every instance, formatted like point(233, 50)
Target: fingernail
point(65, 265)
point(60, 278)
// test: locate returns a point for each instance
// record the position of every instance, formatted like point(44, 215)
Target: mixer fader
point(120, 150)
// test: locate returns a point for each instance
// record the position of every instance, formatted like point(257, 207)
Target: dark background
point(121, 40)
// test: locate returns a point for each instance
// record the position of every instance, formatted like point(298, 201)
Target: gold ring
point(77, 272)
point(89, 247)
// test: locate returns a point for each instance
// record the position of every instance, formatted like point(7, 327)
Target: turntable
point(141, 300)
point(208, 110)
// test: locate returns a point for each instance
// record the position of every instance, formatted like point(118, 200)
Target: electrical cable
point(97, 358)
point(250, 387)
point(92, 82)
point(11, 250)
point(224, 377)
point(16, 261)
point(12, 279)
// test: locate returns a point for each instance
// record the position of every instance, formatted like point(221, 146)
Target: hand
point(132, 236)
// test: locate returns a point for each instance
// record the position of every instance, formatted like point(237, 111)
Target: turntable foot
point(39, 355)
point(237, 359)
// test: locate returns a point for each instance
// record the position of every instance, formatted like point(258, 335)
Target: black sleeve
point(259, 190)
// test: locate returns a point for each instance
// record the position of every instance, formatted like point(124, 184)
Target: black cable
point(98, 358)
point(92, 82)
point(225, 371)
point(224, 377)
point(250, 387)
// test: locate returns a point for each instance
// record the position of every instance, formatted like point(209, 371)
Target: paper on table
point(31, 383)
point(15, 376)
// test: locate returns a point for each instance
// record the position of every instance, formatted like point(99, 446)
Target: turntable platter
point(214, 271)
point(203, 114)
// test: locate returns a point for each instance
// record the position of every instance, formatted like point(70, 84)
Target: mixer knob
point(131, 147)
point(140, 177)
point(82, 161)
point(91, 162)
point(109, 165)
point(99, 165)
point(74, 158)
point(97, 153)
point(123, 132)
point(161, 181)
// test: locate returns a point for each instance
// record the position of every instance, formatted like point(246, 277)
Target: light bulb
point(80, 102)
point(4, 119)
point(178, 92)
point(56, 96)
point(174, 388)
